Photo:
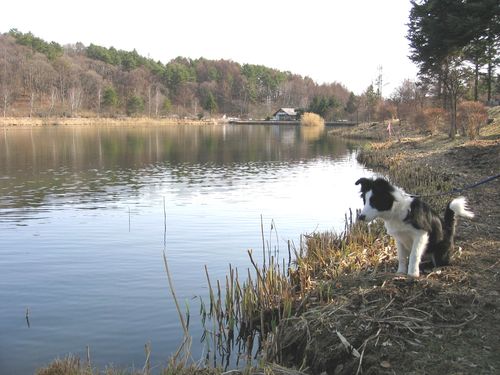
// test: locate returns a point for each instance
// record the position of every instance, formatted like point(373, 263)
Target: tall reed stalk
point(244, 313)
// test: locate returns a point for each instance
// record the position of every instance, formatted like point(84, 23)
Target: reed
point(183, 353)
point(71, 365)
point(243, 314)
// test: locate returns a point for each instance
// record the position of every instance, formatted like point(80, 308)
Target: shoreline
point(8, 122)
point(442, 322)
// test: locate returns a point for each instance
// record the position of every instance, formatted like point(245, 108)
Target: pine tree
point(440, 32)
point(210, 103)
point(110, 98)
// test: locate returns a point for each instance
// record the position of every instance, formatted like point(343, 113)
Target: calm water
point(82, 228)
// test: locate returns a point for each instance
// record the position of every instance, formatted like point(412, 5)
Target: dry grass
point(72, 365)
point(370, 319)
point(241, 312)
point(68, 366)
point(95, 121)
point(377, 131)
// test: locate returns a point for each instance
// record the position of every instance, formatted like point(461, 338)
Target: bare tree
point(75, 99)
point(63, 67)
point(5, 82)
point(92, 83)
point(159, 99)
point(53, 98)
point(454, 78)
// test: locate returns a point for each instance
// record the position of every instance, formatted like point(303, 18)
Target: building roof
point(288, 111)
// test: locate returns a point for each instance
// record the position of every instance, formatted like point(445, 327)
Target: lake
point(83, 212)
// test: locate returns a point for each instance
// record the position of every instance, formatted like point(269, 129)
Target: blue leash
point(455, 191)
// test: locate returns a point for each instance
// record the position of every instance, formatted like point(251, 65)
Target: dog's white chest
point(401, 232)
point(394, 227)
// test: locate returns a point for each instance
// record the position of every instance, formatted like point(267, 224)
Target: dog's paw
point(402, 271)
point(400, 276)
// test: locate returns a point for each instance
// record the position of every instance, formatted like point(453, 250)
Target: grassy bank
point(339, 308)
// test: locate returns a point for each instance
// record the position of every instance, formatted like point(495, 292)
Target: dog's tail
point(457, 207)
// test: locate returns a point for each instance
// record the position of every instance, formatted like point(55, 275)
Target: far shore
point(109, 121)
point(128, 121)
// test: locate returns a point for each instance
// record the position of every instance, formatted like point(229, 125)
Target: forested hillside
point(40, 78)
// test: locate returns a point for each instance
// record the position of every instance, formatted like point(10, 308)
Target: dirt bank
point(445, 322)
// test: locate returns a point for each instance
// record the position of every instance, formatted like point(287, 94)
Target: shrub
point(312, 119)
point(435, 118)
point(385, 111)
point(418, 119)
point(430, 119)
point(471, 116)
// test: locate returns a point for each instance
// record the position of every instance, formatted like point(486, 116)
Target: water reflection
point(60, 165)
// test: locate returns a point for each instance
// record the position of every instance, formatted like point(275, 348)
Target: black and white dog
point(417, 229)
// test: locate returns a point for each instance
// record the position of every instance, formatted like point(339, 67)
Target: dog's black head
point(377, 197)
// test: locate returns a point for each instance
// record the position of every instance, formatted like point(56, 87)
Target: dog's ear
point(365, 183)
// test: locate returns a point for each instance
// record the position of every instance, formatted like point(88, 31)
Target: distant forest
point(40, 78)
point(454, 43)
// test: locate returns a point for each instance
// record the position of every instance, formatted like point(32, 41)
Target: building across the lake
point(285, 114)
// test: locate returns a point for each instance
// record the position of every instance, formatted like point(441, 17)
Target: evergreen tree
point(210, 104)
point(371, 100)
point(52, 50)
point(110, 98)
point(167, 105)
point(135, 105)
point(352, 104)
point(440, 31)
point(323, 105)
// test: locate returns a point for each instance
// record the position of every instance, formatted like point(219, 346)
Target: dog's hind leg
point(419, 244)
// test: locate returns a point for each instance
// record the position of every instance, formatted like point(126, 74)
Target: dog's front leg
point(402, 258)
point(418, 248)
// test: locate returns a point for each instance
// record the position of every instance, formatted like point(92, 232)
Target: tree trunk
point(149, 101)
point(453, 119)
point(157, 101)
point(5, 101)
point(476, 81)
point(489, 79)
point(32, 102)
point(52, 100)
point(99, 102)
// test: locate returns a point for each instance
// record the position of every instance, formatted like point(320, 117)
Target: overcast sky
point(329, 41)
